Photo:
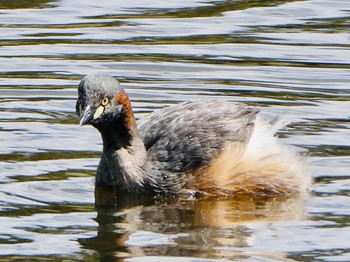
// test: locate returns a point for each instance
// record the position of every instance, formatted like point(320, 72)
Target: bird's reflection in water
point(133, 226)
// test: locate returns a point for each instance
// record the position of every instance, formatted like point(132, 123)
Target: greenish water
point(290, 57)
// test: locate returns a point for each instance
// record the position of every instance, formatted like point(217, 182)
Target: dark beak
point(87, 116)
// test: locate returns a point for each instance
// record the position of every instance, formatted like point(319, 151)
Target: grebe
point(210, 148)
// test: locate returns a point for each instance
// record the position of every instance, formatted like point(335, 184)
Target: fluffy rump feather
point(263, 167)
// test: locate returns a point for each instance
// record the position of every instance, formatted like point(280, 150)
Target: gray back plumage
point(189, 135)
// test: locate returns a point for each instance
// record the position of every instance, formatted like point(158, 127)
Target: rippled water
point(290, 57)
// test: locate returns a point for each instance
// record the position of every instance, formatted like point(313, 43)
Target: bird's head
point(101, 101)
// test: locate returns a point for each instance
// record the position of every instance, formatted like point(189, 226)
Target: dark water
point(290, 57)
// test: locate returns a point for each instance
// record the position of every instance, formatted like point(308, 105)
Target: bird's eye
point(105, 101)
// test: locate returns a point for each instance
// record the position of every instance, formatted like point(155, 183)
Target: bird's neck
point(124, 157)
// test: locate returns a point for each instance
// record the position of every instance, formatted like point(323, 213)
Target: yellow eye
point(105, 101)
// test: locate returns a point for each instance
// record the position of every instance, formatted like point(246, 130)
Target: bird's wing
point(189, 135)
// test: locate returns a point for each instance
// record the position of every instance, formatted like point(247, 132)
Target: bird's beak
point(87, 116)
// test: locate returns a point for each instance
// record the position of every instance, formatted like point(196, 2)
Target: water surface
point(289, 57)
